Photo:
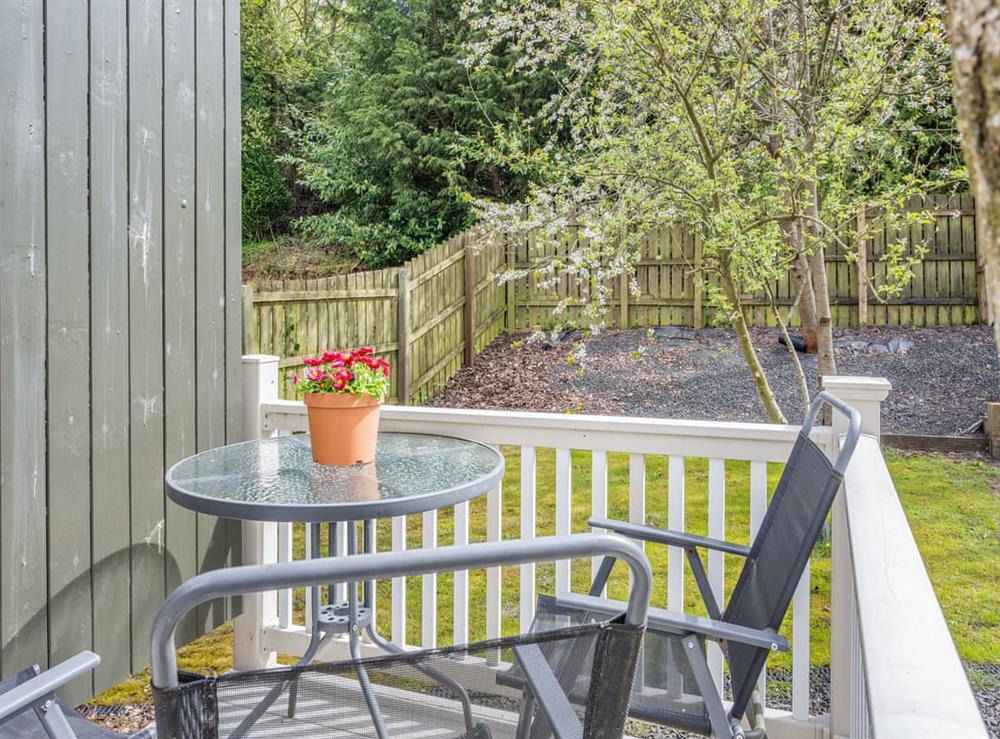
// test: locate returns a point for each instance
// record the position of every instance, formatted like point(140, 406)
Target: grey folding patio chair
point(29, 706)
point(439, 693)
point(452, 692)
point(675, 688)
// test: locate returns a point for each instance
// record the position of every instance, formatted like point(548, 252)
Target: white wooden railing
point(268, 626)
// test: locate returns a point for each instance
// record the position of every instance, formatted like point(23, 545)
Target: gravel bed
point(941, 377)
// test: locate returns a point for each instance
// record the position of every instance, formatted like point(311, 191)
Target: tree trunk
point(974, 26)
point(826, 362)
point(802, 286)
point(739, 325)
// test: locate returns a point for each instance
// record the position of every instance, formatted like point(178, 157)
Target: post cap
point(857, 387)
point(260, 359)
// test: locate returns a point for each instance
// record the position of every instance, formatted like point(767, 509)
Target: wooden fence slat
point(180, 399)
point(23, 612)
point(145, 308)
point(109, 339)
point(70, 624)
point(210, 293)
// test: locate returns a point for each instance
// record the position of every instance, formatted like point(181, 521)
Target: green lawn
point(952, 506)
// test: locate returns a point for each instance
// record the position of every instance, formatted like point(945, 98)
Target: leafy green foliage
point(398, 143)
point(287, 54)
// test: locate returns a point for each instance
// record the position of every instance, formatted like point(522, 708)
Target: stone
point(859, 346)
point(900, 345)
point(878, 348)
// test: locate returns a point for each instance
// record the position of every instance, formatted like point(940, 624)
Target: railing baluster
point(758, 505)
point(428, 594)
point(564, 484)
point(716, 561)
point(340, 591)
point(285, 555)
point(800, 647)
point(398, 628)
point(527, 594)
point(309, 555)
point(675, 521)
point(598, 497)
point(494, 522)
point(460, 620)
point(637, 489)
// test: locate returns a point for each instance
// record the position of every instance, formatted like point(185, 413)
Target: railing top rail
point(729, 440)
point(915, 681)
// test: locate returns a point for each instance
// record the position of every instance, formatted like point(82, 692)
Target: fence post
point(985, 310)
point(862, 268)
point(699, 313)
point(260, 540)
point(623, 302)
point(403, 337)
point(846, 673)
point(510, 317)
point(249, 320)
point(469, 314)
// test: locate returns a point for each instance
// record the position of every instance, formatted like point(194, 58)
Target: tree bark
point(974, 27)
point(739, 324)
point(802, 286)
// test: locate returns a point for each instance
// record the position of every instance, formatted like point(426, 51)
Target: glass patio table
point(277, 480)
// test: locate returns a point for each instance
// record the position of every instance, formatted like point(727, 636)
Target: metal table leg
point(391, 647)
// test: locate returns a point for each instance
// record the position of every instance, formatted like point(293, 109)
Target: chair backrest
point(782, 547)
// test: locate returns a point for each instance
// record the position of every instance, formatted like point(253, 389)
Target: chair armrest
point(660, 619)
point(37, 689)
point(666, 536)
point(546, 689)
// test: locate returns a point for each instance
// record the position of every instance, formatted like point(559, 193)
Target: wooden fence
point(944, 289)
point(119, 324)
point(418, 315)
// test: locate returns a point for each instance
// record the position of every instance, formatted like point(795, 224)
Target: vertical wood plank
point(862, 246)
point(233, 237)
point(428, 590)
point(598, 496)
point(758, 507)
point(180, 401)
point(675, 522)
point(460, 620)
point(403, 337)
point(469, 312)
point(109, 338)
point(145, 307)
point(67, 225)
point(716, 561)
point(398, 626)
point(528, 523)
point(564, 507)
point(23, 611)
point(494, 532)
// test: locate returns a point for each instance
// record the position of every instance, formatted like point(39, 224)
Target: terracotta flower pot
point(343, 427)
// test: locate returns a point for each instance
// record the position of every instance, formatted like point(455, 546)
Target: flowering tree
point(761, 126)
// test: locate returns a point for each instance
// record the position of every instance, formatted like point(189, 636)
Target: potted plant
point(343, 393)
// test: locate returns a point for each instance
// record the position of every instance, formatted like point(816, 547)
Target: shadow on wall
point(113, 641)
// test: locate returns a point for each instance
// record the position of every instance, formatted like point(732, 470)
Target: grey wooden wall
point(119, 315)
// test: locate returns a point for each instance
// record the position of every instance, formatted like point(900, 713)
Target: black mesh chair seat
point(331, 704)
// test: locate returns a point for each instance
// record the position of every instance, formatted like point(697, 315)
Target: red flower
point(295, 379)
point(316, 375)
point(363, 351)
point(329, 356)
point(312, 362)
point(337, 363)
point(339, 383)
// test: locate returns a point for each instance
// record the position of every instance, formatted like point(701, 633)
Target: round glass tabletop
point(277, 480)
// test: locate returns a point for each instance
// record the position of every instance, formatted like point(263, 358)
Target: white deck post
point(260, 540)
point(866, 394)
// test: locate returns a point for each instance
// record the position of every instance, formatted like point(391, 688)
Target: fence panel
point(296, 318)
